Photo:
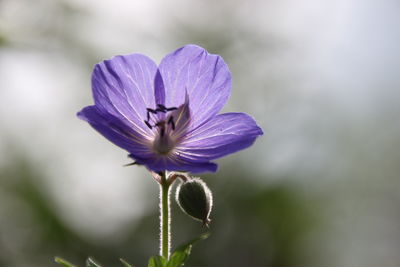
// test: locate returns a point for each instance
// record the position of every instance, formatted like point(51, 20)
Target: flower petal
point(116, 131)
point(205, 77)
point(222, 135)
point(179, 163)
point(124, 87)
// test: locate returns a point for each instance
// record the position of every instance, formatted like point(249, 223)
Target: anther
point(161, 108)
point(149, 110)
point(171, 121)
point(161, 124)
point(148, 124)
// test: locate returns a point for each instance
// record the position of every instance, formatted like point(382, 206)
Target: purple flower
point(166, 116)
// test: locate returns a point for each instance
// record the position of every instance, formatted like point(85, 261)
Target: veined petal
point(178, 163)
point(205, 77)
point(124, 87)
point(166, 117)
point(182, 119)
point(116, 131)
point(222, 135)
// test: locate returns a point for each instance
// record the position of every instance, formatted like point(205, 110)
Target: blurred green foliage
point(323, 82)
point(252, 225)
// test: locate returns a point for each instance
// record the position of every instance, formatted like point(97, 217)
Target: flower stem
point(165, 220)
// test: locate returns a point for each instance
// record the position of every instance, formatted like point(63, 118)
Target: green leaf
point(63, 262)
point(179, 257)
point(125, 263)
point(157, 261)
point(91, 263)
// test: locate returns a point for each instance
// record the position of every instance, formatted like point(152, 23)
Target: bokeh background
point(320, 188)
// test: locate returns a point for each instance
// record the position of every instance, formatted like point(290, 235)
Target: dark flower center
point(162, 120)
point(151, 113)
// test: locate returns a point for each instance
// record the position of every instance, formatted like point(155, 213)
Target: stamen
point(171, 121)
point(148, 124)
point(161, 108)
point(149, 110)
point(160, 118)
point(160, 124)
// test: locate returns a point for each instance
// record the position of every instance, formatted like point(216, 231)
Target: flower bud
point(195, 199)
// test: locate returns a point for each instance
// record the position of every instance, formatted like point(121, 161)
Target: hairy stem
point(165, 217)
